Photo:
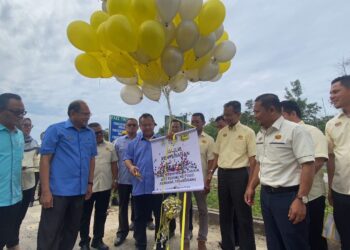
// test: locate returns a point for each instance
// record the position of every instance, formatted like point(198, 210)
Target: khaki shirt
point(281, 150)
point(31, 162)
point(103, 178)
point(206, 145)
point(234, 146)
point(338, 136)
point(318, 188)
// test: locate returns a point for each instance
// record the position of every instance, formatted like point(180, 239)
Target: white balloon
point(189, 9)
point(167, 9)
point(170, 31)
point(216, 78)
point(179, 83)
point(204, 45)
point(192, 75)
point(187, 35)
point(104, 5)
point(208, 71)
point(224, 51)
point(151, 92)
point(219, 31)
point(172, 60)
point(131, 94)
point(127, 81)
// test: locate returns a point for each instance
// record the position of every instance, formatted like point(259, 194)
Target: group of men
point(78, 170)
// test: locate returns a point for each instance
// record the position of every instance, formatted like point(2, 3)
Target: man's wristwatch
point(303, 199)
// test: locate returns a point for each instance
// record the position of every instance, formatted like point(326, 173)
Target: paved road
point(30, 227)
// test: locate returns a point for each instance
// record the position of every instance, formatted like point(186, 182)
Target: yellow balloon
point(97, 18)
point(87, 65)
point(104, 40)
point(151, 38)
point(224, 37)
point(223, 67)
point(121, 65)
point(122, 33)
point(142, 10)
point(83, 36)
point(102, 58)
point(192, 62)
point(153, 74)
point(117, 6)
point(211, 16)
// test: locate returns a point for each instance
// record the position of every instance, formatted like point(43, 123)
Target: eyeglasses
point(17, 112)
point(131, 125)
point(97, 133)
point(85, 114)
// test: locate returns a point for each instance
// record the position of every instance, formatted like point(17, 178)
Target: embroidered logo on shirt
point(204, 141)
point(278, 137)
point(240, 137)
point(337, 124)
point(224, 135)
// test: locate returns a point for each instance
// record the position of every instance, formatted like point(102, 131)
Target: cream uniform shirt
point(103, 178)
point(234, 146)
point(318, 188)
point(206, 145)
point(281, 149)
point(338, 135)
point(31, 161)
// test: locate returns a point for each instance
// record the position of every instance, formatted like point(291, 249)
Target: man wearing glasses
point(11, 155)
point(124, 180)
point(104, 181)
point(66, 174)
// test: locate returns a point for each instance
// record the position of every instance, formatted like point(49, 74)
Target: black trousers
point(232, 184)
point(316, 214)
point(341, 205)
point(37, 178)
point(27, 198)
point(124, 192)
point(59, 226)
point(8, 219)
point(144, 205)
point(101, 202)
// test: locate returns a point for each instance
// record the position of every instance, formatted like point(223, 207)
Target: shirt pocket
point(278, 151)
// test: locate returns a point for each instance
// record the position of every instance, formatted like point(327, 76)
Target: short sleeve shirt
point(121, 146)
point(103, 177)
point(72, 150)
point(206, 145)
point(338, 136)
point(234, 146)
point(281, 150)
point(318, 188)
point(11, 155)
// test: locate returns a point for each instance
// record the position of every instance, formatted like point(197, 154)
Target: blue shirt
point(121, 146)
point(72, 151)
point(11, 155)
point(140, 153)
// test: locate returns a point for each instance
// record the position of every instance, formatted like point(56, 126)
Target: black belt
point(270, 189)
point(233, 169)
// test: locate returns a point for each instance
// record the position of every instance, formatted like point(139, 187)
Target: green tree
point(210, 128)
point(309, 110)
point(247, 116)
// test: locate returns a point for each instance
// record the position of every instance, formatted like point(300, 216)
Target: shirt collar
point(301, 122)
point(69, 124)
point(234, 127)
point(278, 123)
point(2, 127)
point(143, 138)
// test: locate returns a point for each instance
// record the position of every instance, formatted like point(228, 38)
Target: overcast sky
point(277, 42)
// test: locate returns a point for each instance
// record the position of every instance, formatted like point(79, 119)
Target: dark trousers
point(231, 188)
point(316, 214)
point(8, 219)
point(124, 192)
point(101, 202)
point(27, 197)
point(280, 232)
point(341, 205)
point(37, 178)
point(144, 205)
point(59, 226)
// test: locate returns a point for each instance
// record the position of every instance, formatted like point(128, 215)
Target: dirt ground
point(30, 227)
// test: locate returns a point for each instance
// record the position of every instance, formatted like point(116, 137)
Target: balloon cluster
point(152, 45)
